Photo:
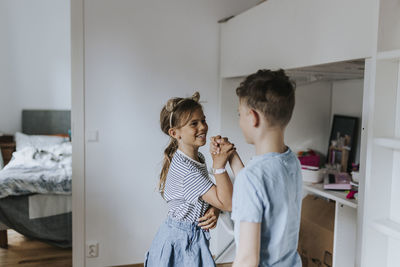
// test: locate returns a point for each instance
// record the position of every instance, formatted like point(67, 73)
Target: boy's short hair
point(271, 93)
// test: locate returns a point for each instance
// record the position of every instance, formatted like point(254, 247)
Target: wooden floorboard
point(141, 265)
point(25, 252)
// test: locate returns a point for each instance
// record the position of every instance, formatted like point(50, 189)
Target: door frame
point(78, 132)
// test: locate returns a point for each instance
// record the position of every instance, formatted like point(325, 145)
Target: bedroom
point(35, 99)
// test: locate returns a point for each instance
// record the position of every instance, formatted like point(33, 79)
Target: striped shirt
point(186, 182)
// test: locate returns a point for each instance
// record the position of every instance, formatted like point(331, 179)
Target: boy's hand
point(214, 145)
point(216, 142)
point(222, 153)
point(210, 219)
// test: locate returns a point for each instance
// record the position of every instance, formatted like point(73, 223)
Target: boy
point(268, 191)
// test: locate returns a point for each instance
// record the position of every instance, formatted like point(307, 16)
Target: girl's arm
point(248, 253)
point(220, 195)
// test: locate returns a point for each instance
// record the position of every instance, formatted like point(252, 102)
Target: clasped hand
point(221, 150)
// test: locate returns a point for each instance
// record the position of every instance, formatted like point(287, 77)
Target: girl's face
point(194, 133)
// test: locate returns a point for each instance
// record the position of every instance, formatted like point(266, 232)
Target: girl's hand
point(221, 150)
point(214, 145)
point(210, 218)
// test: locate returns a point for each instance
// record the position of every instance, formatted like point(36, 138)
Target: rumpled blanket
point(46, 171)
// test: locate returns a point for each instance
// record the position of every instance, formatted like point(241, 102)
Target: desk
point(345, 231)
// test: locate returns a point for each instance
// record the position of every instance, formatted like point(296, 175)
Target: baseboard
point(130, 265)
point(142, 265)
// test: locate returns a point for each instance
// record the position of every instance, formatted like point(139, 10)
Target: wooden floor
point(141, 265)
point(24, 252)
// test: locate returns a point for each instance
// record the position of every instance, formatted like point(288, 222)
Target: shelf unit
point(387, 227)
point(392, 143)
point(345, 232)
point(382, 201)
point(391, 55)
point(381, 233)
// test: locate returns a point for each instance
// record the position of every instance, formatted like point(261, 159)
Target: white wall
point(137, 55)
point(347, 99)
point(34, 58)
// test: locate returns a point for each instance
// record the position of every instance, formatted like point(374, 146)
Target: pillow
point(37, 141)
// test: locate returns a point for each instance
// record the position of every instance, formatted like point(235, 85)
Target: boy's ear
point(255, 117)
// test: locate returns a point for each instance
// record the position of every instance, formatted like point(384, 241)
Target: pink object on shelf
point(351, 194)
point(309, 160)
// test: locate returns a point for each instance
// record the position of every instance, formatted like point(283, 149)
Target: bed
point(35, 186)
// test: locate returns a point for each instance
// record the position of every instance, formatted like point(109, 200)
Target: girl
point(185, 185)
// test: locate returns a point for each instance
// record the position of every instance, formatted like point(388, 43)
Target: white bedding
point(46, 171)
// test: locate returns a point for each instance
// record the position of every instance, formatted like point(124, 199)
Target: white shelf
point(338, 196)
point(387, 227)
point(389, 55)
point(393, 143)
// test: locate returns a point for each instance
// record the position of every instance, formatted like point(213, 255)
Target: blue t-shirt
point(269, 191)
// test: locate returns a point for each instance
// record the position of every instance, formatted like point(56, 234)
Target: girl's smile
point(193, 134)
point(202, 136)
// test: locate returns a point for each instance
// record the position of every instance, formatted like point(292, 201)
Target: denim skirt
point(179, 243)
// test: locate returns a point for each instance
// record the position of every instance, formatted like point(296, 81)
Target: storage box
point(312, 176)
point(316, 232)
point(309, 160)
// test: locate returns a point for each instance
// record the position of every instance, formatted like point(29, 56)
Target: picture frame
point(343, 141)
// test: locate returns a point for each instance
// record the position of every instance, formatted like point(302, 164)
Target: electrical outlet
point(92, 249)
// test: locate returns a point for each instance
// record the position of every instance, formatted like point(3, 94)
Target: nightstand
point(7, 146)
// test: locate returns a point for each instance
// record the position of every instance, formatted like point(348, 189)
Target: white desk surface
point(338, 196)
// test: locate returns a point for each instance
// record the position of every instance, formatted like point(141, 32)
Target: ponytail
point(168, 153)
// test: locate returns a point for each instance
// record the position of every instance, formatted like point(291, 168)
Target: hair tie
point(170, 106)
point(196, 96)
point(170, 119)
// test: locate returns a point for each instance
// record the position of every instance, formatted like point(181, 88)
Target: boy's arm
point(236, 163)
point(248, 252)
